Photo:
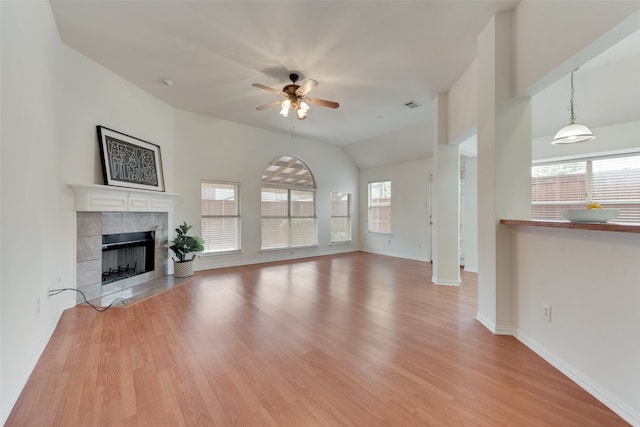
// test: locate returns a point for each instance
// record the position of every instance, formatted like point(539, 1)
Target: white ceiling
point(370, 56)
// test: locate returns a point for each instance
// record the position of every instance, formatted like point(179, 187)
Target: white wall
point(408, 144)
point(609, 140)
point(215, 149)
point(445, 201)
point(409, 210)
point(545, 51)
point(52, 99)
point(463, 105)
point(590, 279)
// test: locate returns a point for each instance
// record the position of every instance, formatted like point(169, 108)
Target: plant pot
point(183, 269)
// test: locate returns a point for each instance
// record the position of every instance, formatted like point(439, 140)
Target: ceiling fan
point(295, 97)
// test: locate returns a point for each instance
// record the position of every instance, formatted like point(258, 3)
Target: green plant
point(183, 245)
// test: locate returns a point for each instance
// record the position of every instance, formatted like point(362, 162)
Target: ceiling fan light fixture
point(573, 132)
point(302, 109)
point(285, 108)
point(295, 96)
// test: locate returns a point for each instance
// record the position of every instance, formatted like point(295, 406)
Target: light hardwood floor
point(347, 340)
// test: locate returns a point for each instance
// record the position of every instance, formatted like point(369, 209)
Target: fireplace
point(120, 250)
point(105, 210)
point(126, 255)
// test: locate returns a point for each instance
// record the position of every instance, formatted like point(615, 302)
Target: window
point(614, 182)
point(340, 217)
point(288, 205)
point(380, 207)
point(220, 211)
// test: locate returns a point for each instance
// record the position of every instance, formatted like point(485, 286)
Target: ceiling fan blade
point(271, 104)
point(322, 102)
point(306, 87)
point(270, 89)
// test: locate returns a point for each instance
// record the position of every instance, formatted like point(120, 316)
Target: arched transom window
point(288, 204)
point(289, 171)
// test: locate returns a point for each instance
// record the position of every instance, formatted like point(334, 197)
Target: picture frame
point(129, 162)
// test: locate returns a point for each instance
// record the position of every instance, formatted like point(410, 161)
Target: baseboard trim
point(445, 282)
point(486, 323)
point(495, 329)
point(213, 262)
point(503, 330)
point(223, 261)
point(624, 411)
point(395, 255)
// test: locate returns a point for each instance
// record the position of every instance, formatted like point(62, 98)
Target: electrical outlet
point(546, 312)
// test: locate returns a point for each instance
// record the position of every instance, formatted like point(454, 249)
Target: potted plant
point(183, 245)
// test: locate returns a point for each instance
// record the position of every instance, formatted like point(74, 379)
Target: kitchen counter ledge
point(608, 226)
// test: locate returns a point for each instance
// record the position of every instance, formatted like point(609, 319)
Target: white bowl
point(589, 215)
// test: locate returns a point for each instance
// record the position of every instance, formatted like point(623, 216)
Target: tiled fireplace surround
point(102, 209)
point(92, 225)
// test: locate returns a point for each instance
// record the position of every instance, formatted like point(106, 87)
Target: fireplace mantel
point(104, 198)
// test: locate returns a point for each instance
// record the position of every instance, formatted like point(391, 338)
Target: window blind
point(340, 217)
point(380, 207)
point(275, 233)
point(613, 182)
point(616, 183)
point(220, 216)
point(302, 203)
point(288, 218)
point(288, 204)
point(275, 202)
point(303, 221)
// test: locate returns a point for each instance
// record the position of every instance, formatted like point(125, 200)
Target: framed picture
point(130, 162)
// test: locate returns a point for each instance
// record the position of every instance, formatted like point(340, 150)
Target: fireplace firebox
point(127, 254)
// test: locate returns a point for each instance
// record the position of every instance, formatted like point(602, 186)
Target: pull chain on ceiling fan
point(295, 97)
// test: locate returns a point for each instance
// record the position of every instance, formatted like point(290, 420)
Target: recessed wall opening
point(126, 255)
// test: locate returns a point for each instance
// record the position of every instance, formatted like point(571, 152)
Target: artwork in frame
point(129, 162)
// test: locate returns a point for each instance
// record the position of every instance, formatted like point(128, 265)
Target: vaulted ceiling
point(371, 56)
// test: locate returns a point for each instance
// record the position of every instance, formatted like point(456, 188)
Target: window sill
point(341, 243)
point(290, 248)
point(211, 253)
point(375, 233)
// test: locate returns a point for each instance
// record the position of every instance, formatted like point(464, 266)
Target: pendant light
point(573, 132)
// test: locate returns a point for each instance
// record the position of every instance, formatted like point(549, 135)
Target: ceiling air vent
point(411, 104)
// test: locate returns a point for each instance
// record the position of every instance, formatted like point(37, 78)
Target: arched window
point(288, 204)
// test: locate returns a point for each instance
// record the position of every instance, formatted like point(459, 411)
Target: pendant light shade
point(573, 132)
